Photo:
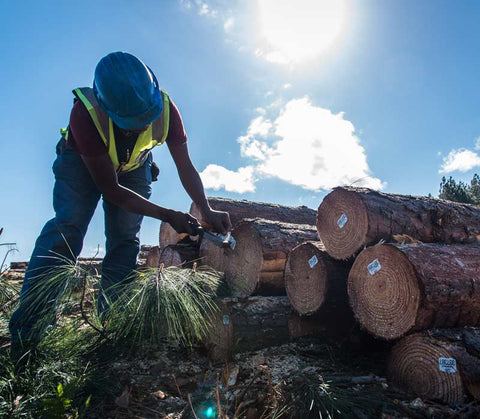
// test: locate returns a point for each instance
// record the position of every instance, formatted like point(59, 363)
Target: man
point(107, 151)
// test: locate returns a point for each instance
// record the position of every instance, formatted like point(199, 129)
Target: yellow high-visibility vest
point(155, 134)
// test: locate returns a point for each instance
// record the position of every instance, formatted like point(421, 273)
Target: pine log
point(157, 256)
point(168, 235)
point(257, 263)
point(254, 323)
point(239, 210)
point(184, 253)
point(314, 279)
point(438, 364)
point(395, 289)
point(350, 218)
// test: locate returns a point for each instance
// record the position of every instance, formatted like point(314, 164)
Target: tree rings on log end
point(306, 278)
point(420, 367)
point(242, 270)
point(383, 291)
point(342, 223)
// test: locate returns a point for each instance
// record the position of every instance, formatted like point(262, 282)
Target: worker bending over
point(106, 151)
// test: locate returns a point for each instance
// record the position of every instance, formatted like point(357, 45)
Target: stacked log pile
point(406, 269)
point(397, 289)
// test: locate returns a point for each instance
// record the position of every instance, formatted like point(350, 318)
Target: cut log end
point(415, 367)
point(384, 292)
point(342, 223)
point(306, 278)
point(245, 262)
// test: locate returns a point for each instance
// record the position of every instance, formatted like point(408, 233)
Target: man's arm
point(219, 220)
point(103, 174)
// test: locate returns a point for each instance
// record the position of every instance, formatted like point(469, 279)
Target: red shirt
point(84, 138)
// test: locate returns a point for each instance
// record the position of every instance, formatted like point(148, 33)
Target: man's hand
point(219, 220)
point(183, 222)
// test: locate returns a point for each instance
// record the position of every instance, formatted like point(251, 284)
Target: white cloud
point(228, 25)
point(304, 145)
point(217, 177)
point(461, 160)
point(477, 144)
point(316, 149)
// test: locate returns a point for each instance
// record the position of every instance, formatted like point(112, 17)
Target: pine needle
point(166, 304)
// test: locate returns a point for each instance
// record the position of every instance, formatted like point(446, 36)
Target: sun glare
point(298, 30)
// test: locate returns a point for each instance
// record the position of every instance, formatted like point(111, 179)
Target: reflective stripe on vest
point(155, 134)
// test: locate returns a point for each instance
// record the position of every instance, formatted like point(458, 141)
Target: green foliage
point(69, 365)
point(460, 191)
point(166, 303)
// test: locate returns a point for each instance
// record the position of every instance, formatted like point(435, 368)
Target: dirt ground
point(308, 378)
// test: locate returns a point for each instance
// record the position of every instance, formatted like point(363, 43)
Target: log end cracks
point(384, 292)
point(342, 223)
point(306, 278)
point(426, 368)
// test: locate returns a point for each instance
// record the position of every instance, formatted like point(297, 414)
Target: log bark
point(257, 263)
point(350, 218)
point(240, 210)
point(254, 323)
point(438, 364)
point(314, 279)
point(396, 289)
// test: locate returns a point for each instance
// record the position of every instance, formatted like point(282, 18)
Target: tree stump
point(313, 278)
point(349, 219)
point(257, 264)
point(438, 364)
point(396, 289)
point(240, 210)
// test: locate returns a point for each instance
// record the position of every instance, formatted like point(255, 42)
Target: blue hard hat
point(127, 90)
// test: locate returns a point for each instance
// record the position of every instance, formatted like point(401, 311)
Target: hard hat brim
point(138, 121)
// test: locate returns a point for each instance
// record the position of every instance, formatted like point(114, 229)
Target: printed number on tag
point(447, 365)
point(342, 220)
point(313, 261)
point(374, 267)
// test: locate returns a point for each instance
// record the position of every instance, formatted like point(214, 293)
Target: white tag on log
point(342, 220)
point(313, 261)
point(447, 365)
point(374, 267)
point(226, 319)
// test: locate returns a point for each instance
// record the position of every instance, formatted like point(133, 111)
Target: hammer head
point(225, 241)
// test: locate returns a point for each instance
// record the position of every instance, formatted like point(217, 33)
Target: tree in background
point(460, 191)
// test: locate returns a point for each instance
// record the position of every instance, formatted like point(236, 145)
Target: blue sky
point(279, 104)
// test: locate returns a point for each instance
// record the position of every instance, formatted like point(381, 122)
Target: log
point(257, 263)
point(182, 254)
point(438, 364)
point(396, 289)
point(155, 256)
point(314, 279)
point(240, 210)
point(349, 219)
point(250, 324)
point(168, 235)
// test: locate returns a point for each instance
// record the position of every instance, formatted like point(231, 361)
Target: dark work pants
point(75, 197)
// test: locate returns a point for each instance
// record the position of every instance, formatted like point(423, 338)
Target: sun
point(299, 30)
